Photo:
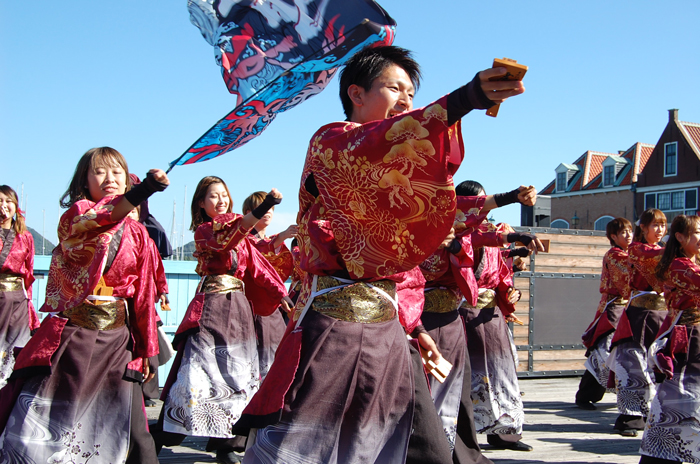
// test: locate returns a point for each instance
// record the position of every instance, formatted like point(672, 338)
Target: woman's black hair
point(469, 188)
point(684, 225)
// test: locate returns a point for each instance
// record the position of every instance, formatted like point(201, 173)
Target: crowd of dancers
point(390, 345)
point(643, 342)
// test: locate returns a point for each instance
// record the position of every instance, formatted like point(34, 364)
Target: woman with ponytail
point(17, 315)
point(638, 325)
point(672, 425)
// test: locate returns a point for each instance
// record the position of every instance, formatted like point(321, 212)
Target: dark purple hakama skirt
point(351, 400)
point(498, 407)
point(216, 371)
point(447, 330)
point(81, 411)
point(14, 329)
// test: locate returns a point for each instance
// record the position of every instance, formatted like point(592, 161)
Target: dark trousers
point(428, 442)
point(589, 389)
point(627, 422)
point(142, 449)
point(467, 449)
point(150, 389)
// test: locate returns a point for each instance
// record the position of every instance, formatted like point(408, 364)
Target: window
point(674, 202)
point(608, 175)
point(602, 222)
point(561, 181)
point(650, 200)
point(670, 159)
point(560, 224)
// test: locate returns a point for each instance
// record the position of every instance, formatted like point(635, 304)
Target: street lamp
point(575, 221)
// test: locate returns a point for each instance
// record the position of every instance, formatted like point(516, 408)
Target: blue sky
point(139, 77)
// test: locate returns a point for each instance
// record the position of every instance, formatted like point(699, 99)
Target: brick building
point(597, 187)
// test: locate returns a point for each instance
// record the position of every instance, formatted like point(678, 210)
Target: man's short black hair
point(616, 226)
point(368, 64)
point(469, 188)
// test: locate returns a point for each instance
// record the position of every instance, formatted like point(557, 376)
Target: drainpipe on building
point(633, 189)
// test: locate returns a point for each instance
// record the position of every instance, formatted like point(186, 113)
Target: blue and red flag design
point(274, 54)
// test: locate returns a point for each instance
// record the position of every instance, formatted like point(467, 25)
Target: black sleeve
point(466, 98)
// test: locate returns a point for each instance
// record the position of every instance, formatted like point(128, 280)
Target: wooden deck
point(555, 427)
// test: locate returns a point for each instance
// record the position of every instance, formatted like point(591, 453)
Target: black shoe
point(149, 403)
point(497, 442)
point(227, 457)
point(628, 432)
point(587, 405)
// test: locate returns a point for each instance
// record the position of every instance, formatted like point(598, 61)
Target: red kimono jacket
point(20, 262)
point(492, 272)
point(442, 268)
point(214, 243)
point(280, 257)
point(85, 232)
point(615, 276)
point(643, 259)
point(377, 199)
point(682, 291)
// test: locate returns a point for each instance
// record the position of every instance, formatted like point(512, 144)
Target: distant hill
point(188, 249)
point(48, 246)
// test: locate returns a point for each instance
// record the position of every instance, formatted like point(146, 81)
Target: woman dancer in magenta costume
point(17, 315)
point(495, 393)
point(376, 199)
point(639, 325)
point(449, 279)
point(671, 434)
point(270, 329)
point(216, 371)
point(74, 395)
point(615, 290)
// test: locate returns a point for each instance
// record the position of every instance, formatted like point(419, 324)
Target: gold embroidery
point(106, 316)
point(223, 283)
point(486, 300)
point(10, 283)
point(441, 300)
point(650, 301)
point(357, 302)
point(689, 317)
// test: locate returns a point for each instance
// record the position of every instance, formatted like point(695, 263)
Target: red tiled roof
point(591, 165)
point(548, 189)
point(595, 164)
point(693, 131)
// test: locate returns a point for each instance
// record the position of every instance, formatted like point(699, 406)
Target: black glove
point(455, 246)
point(521, 237)
point(466, 98)
point(140, 193)
point(503, 199)
point(522, 252)
point(265, 206)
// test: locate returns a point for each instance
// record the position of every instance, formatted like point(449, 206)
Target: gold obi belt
point(486, 300)
point(355, 302)
point(11, 283)
point(221, 283)
point(689, 317)
point(98, 315)
point(618, 300)
point(441, 300)
point(651, 301)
